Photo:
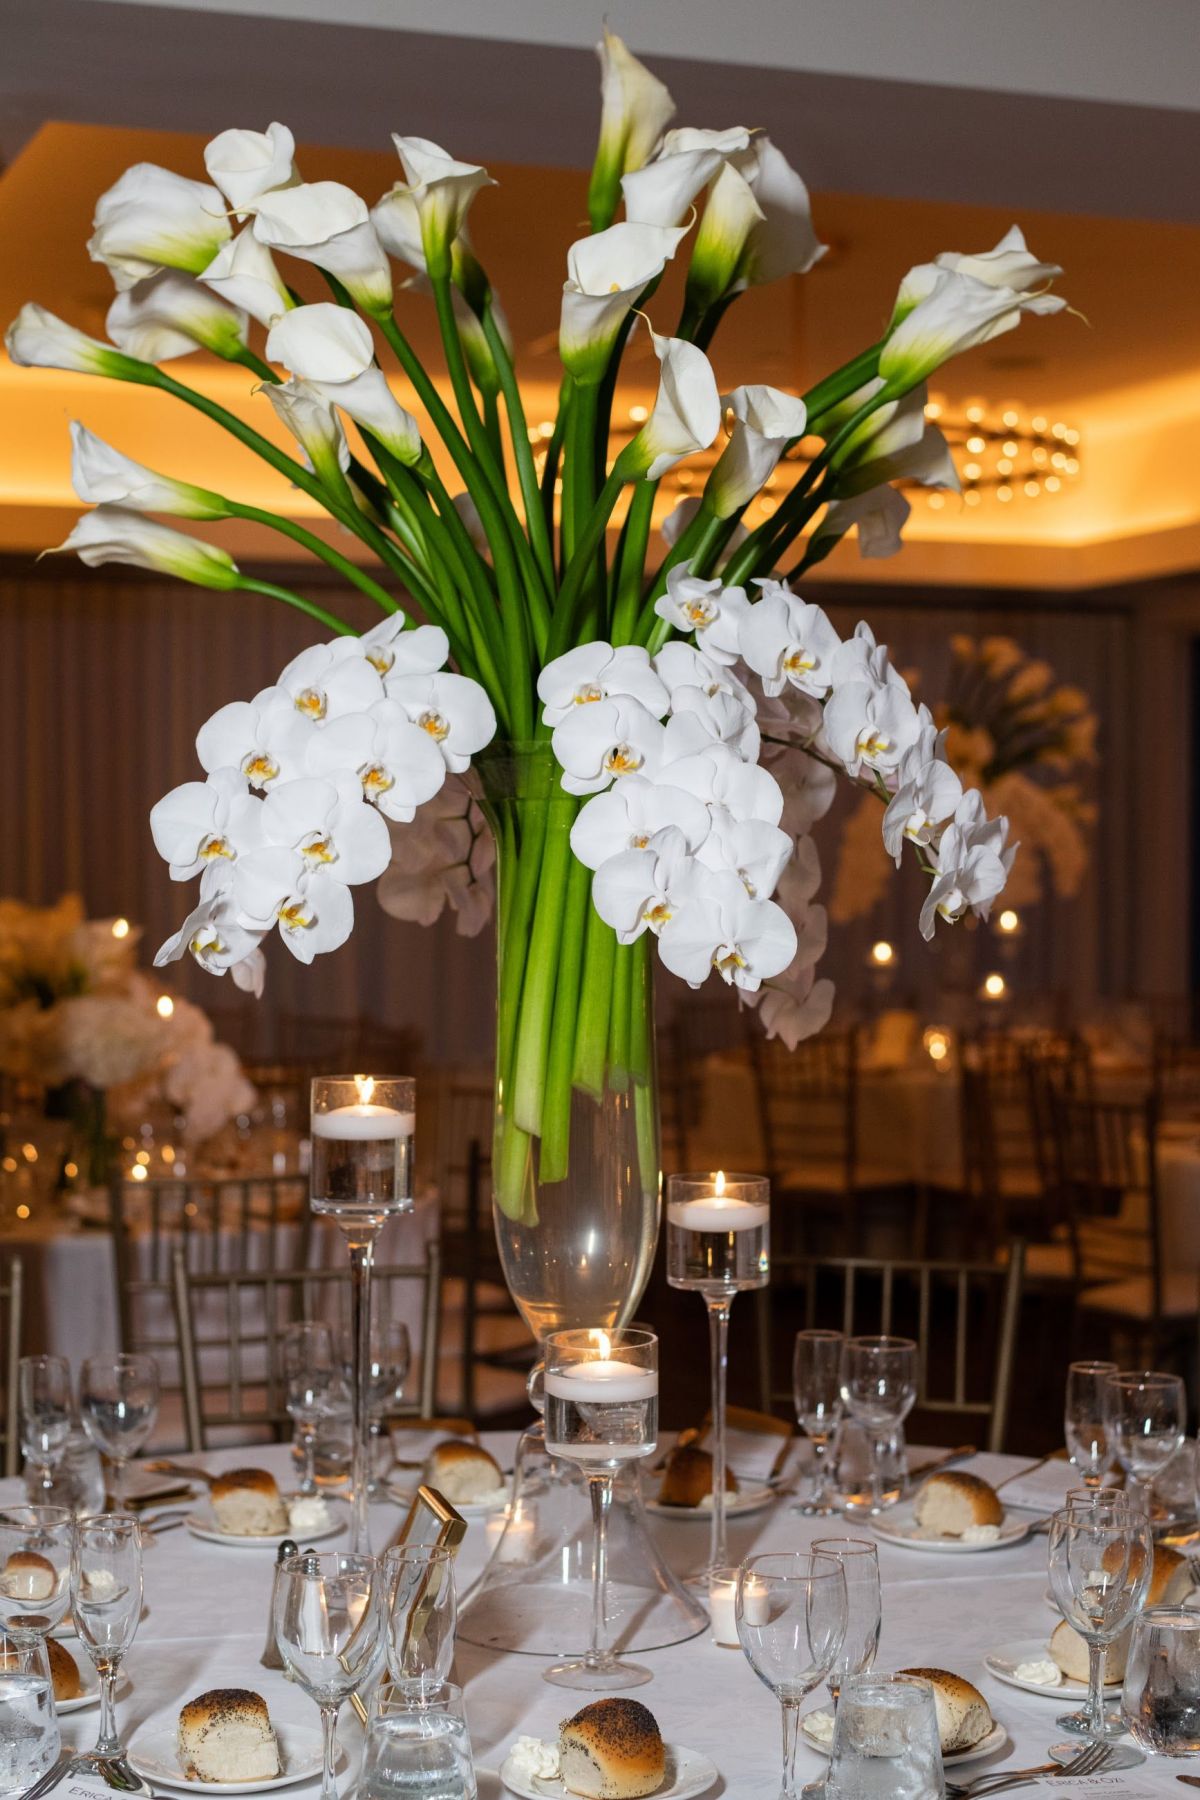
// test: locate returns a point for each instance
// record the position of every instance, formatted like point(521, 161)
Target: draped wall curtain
point(105, 677)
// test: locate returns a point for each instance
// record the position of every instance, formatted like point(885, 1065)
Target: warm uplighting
point(22, 1211)
point(164, 1006)
point(70, 1170)
point(143, 1156)
point(139, 1172)
point(994, 986)
point(937, 1044)
point(883, 954)
point(639, 414)
point(1009, 921)
point(120, 928)
point(29, 1152)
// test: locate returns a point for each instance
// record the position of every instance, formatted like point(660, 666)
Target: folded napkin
point(1040, 1487)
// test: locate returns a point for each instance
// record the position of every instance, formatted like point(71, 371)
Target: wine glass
point(422, 1617)
point(879, 1388)
point(1085, 1420)
point(327, 1627)
point(35, 1595)
point(106, 1604)
point(791, 1611)
point(816, 1387)
point(859, 1558)
point(310, 1375)
point(1100, 1566)
point(1147, 1416)
point(44, 1410)
point(387, 1371)
point(118, 1404)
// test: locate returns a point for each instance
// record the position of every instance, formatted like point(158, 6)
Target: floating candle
point(363, 1122)
point(602, 1383)
point(719, 1212)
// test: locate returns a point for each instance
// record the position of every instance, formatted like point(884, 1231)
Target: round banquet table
point(207, 1618)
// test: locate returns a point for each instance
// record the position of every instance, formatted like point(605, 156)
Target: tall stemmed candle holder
point(718, 1245)
point(362, 1138)
point(601, 1397)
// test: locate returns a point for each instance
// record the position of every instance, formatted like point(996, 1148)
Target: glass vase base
point(1120, 1756)
point(1079, 1725)
point(602, 1675)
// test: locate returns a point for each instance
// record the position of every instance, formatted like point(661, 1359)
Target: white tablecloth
point(208, 1612)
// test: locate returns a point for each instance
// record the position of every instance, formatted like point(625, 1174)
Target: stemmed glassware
point(118, 1404)
point(44, 1413)
point(310, 1376)
point(601, 1395)
point(327, 1628)
point(1086, 1414)
point(1147, 1416)
point(791, 1610)
point(391, 1359)
point(362, 1140)
point(718, 1245)
point(879, 1388)
point(1100, 1561)
point(106, 1604)
point(859, 1558)
point(816, 1388)
point(35, 1594)
point(422, 1617)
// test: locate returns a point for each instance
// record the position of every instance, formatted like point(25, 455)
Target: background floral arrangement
point(1023, 739)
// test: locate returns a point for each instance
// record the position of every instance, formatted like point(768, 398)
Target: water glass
point(1147, 1412)
point(1161, 1698)
point(885, 1742)
point(106, 1604)
point(34, 1598)
point(118, 1404)
point(859, 1558)
point(310, 1377)
point(1086, 1420)
point(791, 1612)
point(422, 1616)
point(1100, 1564)
point(418, 1751)
point(29, 1736)
point(44, 1412)
point(879, 1389)
point(816, 1389)
point(327, 1615)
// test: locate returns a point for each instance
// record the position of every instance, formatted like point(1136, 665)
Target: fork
point(62, 1768)
point(1089, 1761)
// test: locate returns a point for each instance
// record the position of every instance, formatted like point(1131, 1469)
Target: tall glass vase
point(576, 1205)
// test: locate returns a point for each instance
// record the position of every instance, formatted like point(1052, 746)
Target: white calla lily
point(38, 339)
point(212, 934)
point(686, 416)
point(397, 219)
point(681, 516)
point(153, 219)
point(663, 192)
point(370, 402)
point(788, 642)
point(101, 475)
point(596, 743)
point(642, 889)
point(243, 272)
point(114, 534)
point(208, 822)
point(956, 314)
point(172, 315)
point(757, 853)
point(635, 110)
point(707, 608)
point(327, 680)
point(746, 941)
point(1009, 265)
point(326, 223)
point(309, 415)
point(442, 190)
point(266, 738)
point(879, 515)
point(398, 764)
point(765, 422)
point(245, 165)
point(453, 710)
point(629, 815)
point(594, 672)
point(322, 342)
point(927, 462)
point(783, 242)
point(731, 213)
point(606, 274)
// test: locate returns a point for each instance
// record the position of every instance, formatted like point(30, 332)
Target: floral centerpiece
point(647, 741)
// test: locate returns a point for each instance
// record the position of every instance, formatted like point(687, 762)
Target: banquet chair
point(963, 1316)
point(10, 1351)
point(235, 1381)
point(1175, 1074)
point(700, 1028)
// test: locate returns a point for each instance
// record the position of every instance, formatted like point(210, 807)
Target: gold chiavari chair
point(963, 1316)
point(10, 1349)
point(1175, 1075)
point(248, 1391)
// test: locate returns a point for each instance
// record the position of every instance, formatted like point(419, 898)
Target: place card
point(84, 1786)
point(1116, 1784)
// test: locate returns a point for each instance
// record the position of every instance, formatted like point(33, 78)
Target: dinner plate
point(996, 1739)
point(90, 1683)
point(154, 1753)
point(899, 1526)
point(746, 1500)
point(202, 1524)
point(1002, 1663)
point(688, 1772)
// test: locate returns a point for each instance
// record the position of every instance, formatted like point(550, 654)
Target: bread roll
point(1070, 1652)
point(463, 1472)
point(64, 1675)
point(951, 1502)
point(247, 1503)
point(28, 1576)
point(612, 1750)
point(1170, 1576)
point(963, 1717)
point(688, 1477)
point(227, 1735)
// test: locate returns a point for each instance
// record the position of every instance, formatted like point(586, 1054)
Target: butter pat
point(533, 1759)
point(819, 1727)
point(981, 1534)
point(1043, 1673)
point(309, 1513)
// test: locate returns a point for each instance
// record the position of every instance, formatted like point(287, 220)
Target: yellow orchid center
point(375, 780)
point(798, 661)
point(588, 694)
point(295, 915)
point(639, 840)
point(213, 847)
point(748, 884)
point(658, 915)
point(435, 724)
point(381, 660)
point(699, 613)
point(319, 849)
point(259, 768)
point(725, 961)
point(205, 943)
point(622, 759)
point(873, 744)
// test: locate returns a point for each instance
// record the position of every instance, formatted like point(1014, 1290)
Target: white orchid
point(100, 474)
point(631, 812)
point(153, 219)
point(643, 889)
point(973, 861)
point(956, 314)
point(445, 857)
point(699, 718)
point(243, 272)
point(606, 274)
point(393, 647)
point(250, 975)
point(707, 608)
point(114, 534)
point(870, 719)
point(788, 642)
point(596, 743)
point(212, 934)
point(327, 680)
point(441, 189)
point(266, 738)
point(757, 853)
point(680, 665)
point(765, 422)
point(635, 110)
point(310, 826)
point(248, 164)
point(746, 941)
point(453, 710)
point(38, 339)
point(718, 776)
point(686, 416)
point(662, 193)
point(594, 672)
point(398, 764)
point(205, 824)
point(928, 793)
point(171, 315)
point(327, 223)
point(795, 1006)
point(312, 908)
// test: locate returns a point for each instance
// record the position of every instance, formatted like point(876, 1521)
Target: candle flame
point(366, 1087)
point(719, 1186)
point(603, 1344)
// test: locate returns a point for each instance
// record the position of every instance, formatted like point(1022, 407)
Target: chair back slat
point(1106, 1154)
point(10, 1348)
